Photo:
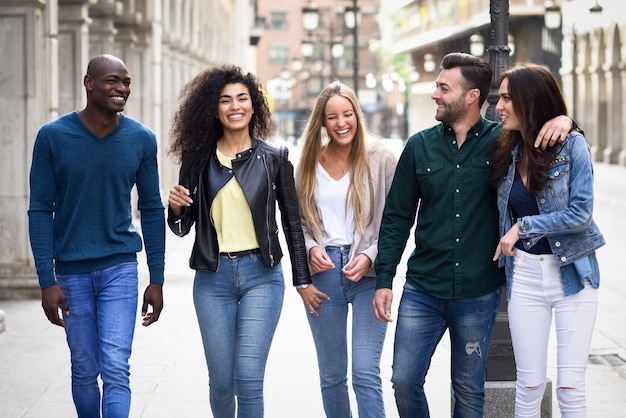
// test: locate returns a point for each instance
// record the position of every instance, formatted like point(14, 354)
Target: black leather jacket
point(266, 177)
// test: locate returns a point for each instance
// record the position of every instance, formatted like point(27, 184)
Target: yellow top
point(232, 216)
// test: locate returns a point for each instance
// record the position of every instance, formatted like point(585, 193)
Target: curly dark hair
point(195, 128)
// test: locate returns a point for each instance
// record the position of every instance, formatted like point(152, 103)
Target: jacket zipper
point(271, 187)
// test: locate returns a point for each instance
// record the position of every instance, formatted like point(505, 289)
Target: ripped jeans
point(422, 322)
point(537, 293)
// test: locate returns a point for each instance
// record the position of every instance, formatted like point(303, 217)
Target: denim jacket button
point(564, 259)
point(557, 244)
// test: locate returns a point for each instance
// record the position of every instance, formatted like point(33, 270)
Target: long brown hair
point(315, 139)
point(536, 98)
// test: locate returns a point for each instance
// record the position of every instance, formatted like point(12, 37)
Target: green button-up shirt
point(457, 224)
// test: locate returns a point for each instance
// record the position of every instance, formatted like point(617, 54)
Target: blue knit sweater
point(80, 215)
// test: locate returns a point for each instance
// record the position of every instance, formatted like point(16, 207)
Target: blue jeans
point(238, 307)
point(100, 329)
point(329, 331)
point(422, 321)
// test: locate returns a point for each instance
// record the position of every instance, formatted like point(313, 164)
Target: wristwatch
point(302, 286)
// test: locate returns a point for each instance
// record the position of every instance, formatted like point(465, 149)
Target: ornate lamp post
point(311, 21)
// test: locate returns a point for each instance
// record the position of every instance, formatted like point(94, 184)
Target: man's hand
point(556, 129)
point(152, 296)
point(52, 298)
point(382, 304)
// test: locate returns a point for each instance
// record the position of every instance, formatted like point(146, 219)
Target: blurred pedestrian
point(85, 165)
point(547, 241)
point(343, 178)
point(230, 181)
point(451, 282)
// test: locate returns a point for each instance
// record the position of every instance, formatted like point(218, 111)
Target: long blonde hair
point(316, 138)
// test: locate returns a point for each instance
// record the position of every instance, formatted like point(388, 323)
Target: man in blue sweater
point(84, 243)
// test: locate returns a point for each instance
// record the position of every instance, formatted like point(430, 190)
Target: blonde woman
point(342, 180)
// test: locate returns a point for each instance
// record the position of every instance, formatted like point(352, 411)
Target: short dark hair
point(476, 71)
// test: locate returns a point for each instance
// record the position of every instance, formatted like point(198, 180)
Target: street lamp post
point(311, 22)
point(352, 22)
point(311, 18)
point(498, 50)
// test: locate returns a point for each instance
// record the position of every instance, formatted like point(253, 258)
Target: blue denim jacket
point(565, 215)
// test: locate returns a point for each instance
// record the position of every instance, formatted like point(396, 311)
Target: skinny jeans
point(329, 331)
point(238, 308)
point(537, 293)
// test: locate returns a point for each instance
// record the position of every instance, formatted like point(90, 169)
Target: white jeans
point(536, 291)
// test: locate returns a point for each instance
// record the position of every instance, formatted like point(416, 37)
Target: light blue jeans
point(329, 331)
point(238, 308)
point(422, 321)
point(100, 329)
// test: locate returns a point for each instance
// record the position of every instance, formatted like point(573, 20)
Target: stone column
point(28, 71)
point(102, 30)
point(73, 53)
point(615, 100)
point(598, 134)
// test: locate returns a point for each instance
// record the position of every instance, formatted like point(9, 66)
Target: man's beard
point(452, 112)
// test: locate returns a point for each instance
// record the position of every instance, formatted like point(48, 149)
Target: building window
point(279, 54)
point(279, 20)
point(314, 86)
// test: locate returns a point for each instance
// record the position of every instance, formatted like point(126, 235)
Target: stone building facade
point(45, 47)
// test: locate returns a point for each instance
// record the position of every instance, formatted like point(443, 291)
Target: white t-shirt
point(330, 197)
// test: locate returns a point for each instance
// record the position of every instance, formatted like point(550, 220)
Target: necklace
point(335, 162)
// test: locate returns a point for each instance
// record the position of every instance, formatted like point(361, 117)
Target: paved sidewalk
point(169, 374)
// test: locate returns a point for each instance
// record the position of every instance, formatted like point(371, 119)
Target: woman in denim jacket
point(548, 241)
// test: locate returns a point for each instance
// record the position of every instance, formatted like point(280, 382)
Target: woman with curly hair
point(548, 241)
point(343, 178)
point(230, 181)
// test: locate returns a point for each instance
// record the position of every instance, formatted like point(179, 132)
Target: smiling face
point(235, 108)
point(340, 120)
point(509, 118)
point(108, 85)
point(449, 96)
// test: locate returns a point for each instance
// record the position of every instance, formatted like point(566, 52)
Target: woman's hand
point(312, 298)
point(319, 260)
point(179, 197)
point(507, 243)
point(357, 268)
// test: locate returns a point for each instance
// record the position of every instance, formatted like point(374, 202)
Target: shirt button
point(556, 174)
point(457, 190)
point(457, 264)
point(458, 215)
point(457, 240)
point(453, 142)
point(428, 169)
point(458, 166)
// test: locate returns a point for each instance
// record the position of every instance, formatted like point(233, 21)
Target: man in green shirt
point(451, 281)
